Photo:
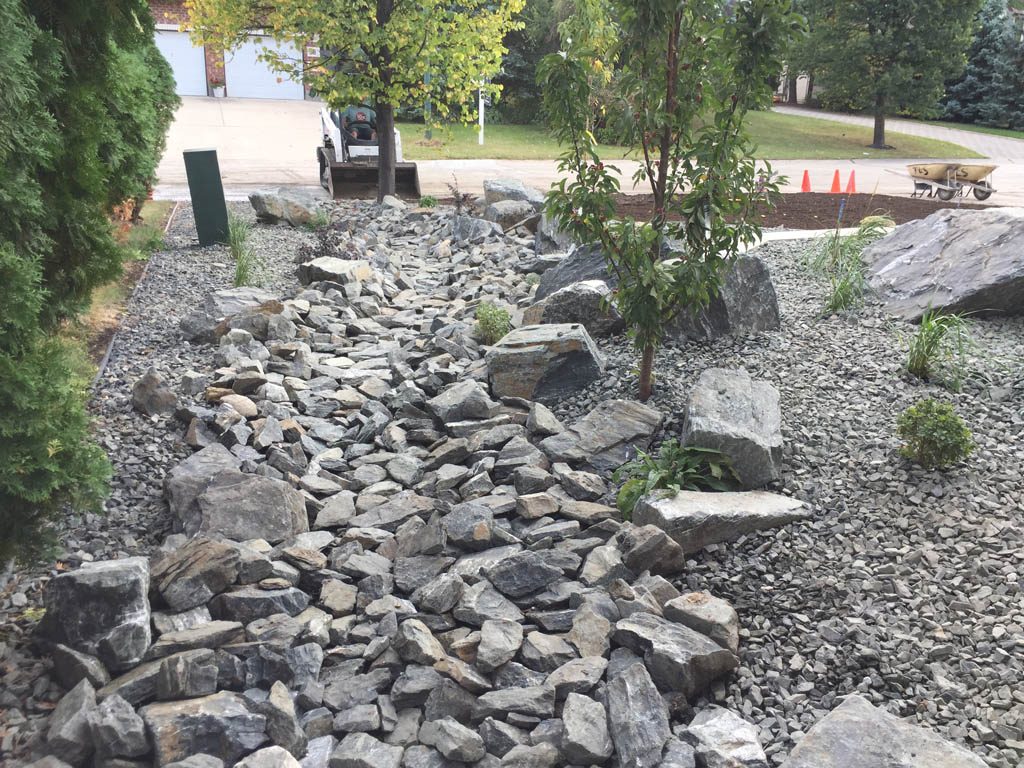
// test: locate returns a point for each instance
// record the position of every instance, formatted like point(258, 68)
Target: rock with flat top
point(606, 437)
point(587, 303)
point(858, 735)
point(221, 725)
point(696, 519)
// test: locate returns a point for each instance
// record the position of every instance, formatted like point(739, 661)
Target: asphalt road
point(264, 144)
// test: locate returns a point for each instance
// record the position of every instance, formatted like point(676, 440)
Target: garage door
point(187, 61)
point(249, 78)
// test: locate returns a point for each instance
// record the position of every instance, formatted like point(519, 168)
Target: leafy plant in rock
point(938, 351)
point(249, 266)
point(933, 435)
point(319, 220)
point(428, 201)
point(688, 73)
point(463, 201)
point(492, 322)
point(675, 468)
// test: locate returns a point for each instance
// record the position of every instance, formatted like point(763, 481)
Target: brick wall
point(168, 11)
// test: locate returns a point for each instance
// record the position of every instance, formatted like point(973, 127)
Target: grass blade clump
point(249, 267)
point(838, 258)
point(938, 351)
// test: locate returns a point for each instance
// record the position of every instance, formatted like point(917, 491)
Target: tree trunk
point(386, 150)
point(792, 91)
point(810, 89)
point(646, 373)
point(878, 142)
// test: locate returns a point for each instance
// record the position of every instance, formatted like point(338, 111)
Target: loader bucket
point(359, 181)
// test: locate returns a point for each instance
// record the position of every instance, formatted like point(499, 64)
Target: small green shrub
point(675, 468)
point(249, 267)
point(938, 351)
point(318, 220)
point(933, 435)
point(492, 322)
point(532, 279)
point(428, 201)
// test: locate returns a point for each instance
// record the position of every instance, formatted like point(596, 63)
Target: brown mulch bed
point(817, 210)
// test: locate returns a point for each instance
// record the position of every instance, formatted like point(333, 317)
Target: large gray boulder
point(606, 437)
point(677, 657)
point(953, 260)
point(185, 483)
point(101, 609)
point(551, 238)
point(508, 213)
point(586, 303)
point(69, 737)
point(723, 739)
point(544, 362)
point(637, 718)
point(191, 575)
point(202, 324)
point(221, 724)
point(241, 506)
point(294, 205)
point(858, 735)
point(739, 416)
point(696, 519)
point(745, 303)
point(498, 190)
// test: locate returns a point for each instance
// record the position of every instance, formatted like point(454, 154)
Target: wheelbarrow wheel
point(945, 194)
point(983, 191)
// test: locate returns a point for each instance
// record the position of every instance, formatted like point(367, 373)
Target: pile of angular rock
point(383, 563)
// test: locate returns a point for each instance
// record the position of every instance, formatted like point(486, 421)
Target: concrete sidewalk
point(263, 144)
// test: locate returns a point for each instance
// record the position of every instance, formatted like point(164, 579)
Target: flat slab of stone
point(544, 362)
point(221, 725)
point(954, 261)
point(607, 436)
point(335, 270)
point(201, 325)
point(857, 734)
point(730, 412)
point(696, 519)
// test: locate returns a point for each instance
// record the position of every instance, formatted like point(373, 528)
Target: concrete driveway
point(263, 144)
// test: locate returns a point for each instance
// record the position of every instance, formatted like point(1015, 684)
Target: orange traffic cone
point(806, 186)
point(851, 185)
point(836, 189)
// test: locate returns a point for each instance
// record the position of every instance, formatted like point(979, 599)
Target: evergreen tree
point(1013, 94)
point(981, 94)
point(85, 101)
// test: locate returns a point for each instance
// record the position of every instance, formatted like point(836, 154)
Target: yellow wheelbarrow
point(949, 180)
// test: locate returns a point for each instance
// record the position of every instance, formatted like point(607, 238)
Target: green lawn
point(778, 137)
point(979, 129)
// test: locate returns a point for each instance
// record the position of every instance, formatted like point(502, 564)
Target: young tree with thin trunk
point(688, 73)
point(375, 51)
point(887, 56)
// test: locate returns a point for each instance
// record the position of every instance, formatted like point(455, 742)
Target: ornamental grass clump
point(938, 351)
point(838, 258)
point(249, 267)
point(933, 435)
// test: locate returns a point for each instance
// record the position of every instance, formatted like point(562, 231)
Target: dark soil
point(818, 210)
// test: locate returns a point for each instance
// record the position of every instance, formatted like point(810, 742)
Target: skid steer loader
point(348, 156)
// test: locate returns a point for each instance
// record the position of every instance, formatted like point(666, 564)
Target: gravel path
point(906, 587)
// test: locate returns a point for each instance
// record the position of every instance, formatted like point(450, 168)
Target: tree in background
point(805, 54)
point(75, 138)
point(538, 37)
point(1014, 93)
point(376, 51)
point(689, 72)
point(985, 90)
point(893, 55)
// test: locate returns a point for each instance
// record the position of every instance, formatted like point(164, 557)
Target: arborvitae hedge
point(85, 103)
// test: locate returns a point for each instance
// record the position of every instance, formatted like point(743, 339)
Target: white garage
point(187, 61)
point(249, 78)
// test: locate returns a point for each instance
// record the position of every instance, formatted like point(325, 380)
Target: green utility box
point(204, 185)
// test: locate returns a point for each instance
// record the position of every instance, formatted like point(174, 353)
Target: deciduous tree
point(893, 55)
point(689, 72)
point(374, 50)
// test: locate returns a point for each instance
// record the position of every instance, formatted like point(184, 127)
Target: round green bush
point(933, 435)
